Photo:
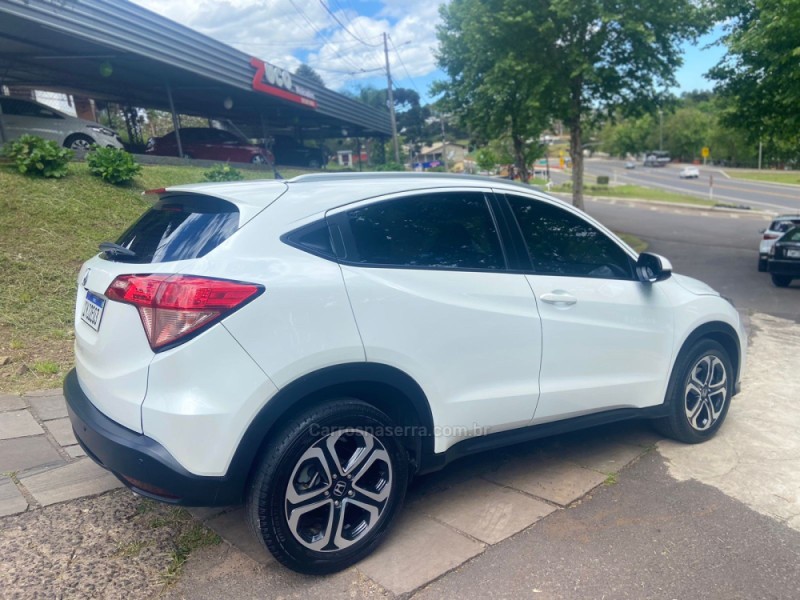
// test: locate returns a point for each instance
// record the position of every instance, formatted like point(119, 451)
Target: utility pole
point(391, 98)
point(444, 142)
point(660, 129)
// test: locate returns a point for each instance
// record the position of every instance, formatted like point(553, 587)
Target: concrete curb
point(721, 209)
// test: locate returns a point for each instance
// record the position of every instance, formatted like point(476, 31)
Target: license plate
point(793, 253)
point(93, 310)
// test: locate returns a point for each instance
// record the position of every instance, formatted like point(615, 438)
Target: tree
point(759, 75)
point(491, 87)
point(309, 73)
point(571, 60)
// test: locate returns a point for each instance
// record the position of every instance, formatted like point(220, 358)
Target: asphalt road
point(648, 536)
point(719, 248)
point(774, 197)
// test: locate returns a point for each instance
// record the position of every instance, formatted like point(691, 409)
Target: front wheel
point(781, 280)
point(328, 488)
point(259, 159)
point(699, 393)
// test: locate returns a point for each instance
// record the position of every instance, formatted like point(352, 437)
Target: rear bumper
point(784, 267)
point(139, 462)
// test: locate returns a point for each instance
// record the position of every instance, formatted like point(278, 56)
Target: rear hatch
point(112, 350)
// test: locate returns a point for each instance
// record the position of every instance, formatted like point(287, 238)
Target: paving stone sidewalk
point(449, 517)
point(41, 462)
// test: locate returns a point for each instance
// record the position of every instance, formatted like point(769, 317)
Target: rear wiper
point(116, 249)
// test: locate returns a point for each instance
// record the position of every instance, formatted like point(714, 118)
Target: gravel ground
point(112, 546)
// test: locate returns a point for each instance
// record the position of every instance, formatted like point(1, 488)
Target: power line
point(322, 35)
point(353, 35)
point(402, 64)
point(351, 21)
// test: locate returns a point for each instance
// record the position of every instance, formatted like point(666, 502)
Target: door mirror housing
point(651, 268)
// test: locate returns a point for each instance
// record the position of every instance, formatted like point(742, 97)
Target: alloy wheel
point(706, 392)
point(338, 490)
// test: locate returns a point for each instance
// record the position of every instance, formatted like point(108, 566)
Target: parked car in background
point(308, 346)
point(780, 225)
point(689, 173)
point(292, 153)
point(784, 258)
point(656, 158)
point(630, 165)
point(22, 117)
point(208, 143)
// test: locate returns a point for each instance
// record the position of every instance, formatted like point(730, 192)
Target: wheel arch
point(722, 333)
point(72, 136)
point(386, 388)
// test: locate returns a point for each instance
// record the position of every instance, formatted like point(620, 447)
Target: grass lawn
point(48, 228)
point(635, 192)
point(792, 177)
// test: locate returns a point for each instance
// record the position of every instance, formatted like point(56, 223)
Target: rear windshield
point(178, 228)
point(783, 226)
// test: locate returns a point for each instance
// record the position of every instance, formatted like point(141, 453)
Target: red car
point(209, 144)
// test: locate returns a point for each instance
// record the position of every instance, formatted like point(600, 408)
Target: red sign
point(271, 80)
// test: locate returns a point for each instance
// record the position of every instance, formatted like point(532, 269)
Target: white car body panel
point(472, 340)
point(112, 363)
point(201, 397)
point(610, 349)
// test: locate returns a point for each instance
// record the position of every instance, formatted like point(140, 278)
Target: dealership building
point(116, 51)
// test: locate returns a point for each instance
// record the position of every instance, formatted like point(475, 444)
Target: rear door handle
point(559, 299)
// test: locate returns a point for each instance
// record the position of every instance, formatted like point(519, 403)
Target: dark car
point(209, 144)
point(784, 258)
point(290, 152)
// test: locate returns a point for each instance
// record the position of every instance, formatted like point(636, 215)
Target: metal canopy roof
point(117, 51)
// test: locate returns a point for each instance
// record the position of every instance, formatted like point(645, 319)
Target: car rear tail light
point(771, 236)
point(174, 306)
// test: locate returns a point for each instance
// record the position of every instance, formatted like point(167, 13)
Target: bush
point(36, 156)
point(223, 173)
point(390, 166)
point(112, 165)
point(602, 180)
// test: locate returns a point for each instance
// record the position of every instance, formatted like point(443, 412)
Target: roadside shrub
point(34, 156)
point(113, 165)
point(390, 166)
point(223, 173)
point(602, 180)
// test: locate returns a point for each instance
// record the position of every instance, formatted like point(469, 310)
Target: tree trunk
point(519, 158)
point(576, 144)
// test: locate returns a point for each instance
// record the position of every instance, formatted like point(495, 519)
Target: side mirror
point(651, 268)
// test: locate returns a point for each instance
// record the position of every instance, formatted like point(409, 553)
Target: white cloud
point(283, 31)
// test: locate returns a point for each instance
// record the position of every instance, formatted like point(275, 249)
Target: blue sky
point(342, 39)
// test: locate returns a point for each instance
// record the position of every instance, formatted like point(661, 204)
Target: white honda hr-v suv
point(307, 346)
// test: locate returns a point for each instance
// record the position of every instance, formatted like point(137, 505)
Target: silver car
point(24, 116)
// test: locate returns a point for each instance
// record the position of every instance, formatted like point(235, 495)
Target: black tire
point(762, 265)
point(781, 280)
point(710, 412)
point(259, 159)
point(187, 156)
point(79, 142)
point(296, 457)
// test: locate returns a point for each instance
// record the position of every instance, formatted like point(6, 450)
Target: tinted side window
point(445, 230)
point(561, 243)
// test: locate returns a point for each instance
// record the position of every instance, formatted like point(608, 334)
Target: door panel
point(471, 340)
point(606, 344)
point(427, 277)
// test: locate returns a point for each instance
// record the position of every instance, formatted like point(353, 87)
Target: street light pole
point(391, 99)
point(660, 129)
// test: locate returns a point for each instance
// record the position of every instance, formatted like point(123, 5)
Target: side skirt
point(525, 434)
